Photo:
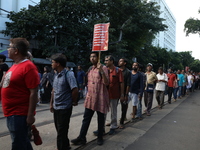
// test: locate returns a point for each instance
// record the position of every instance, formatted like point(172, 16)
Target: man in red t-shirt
point(19, 94)
point(115, 90)
point(171, 79)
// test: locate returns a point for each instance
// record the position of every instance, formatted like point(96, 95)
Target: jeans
point(148, 100)
point(86, 122)
point(175, 92)
point(61, 121)
point(170, 91)
point(139, 108)
point(180, 91)
point(18, 129)
point(124, 107)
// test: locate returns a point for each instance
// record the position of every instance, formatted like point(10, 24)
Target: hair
point(96, 53)
point(21, 44)
point(48, 69)
point(29, 55)
point(111, 58)
point(125, 60)
point(59, 58)
point(160, 68)
point(3, 57)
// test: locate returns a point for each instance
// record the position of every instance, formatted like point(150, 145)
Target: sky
point(183, 10)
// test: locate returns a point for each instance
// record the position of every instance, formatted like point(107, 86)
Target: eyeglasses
point(10, 47)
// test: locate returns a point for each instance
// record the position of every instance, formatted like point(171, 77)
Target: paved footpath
point(174, 127)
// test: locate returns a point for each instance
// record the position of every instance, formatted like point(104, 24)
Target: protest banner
point(100, 37)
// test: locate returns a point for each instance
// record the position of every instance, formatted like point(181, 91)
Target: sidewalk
point(44, 123)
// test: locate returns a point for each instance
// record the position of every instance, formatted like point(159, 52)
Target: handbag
point(150, 88)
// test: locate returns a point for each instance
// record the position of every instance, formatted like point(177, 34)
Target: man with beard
point(96, 99)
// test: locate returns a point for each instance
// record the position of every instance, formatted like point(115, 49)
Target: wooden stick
point(99, 57)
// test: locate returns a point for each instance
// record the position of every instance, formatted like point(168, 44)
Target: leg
point(170, 90)
point(124, 107)
point(113, 106)
point(101, 123)
point(18, 129)
point(150, 102)
point(145, 98)
point(62, 120)
point(158, 97)
point(162, 96)
point(139, 110)
point(86, 122)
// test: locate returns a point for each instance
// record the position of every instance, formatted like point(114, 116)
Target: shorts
point(134, 98)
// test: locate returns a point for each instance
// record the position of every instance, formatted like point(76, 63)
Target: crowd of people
point(106, 86)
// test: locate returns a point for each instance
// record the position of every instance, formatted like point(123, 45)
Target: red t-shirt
point(115, 78)
point(171, 79)
point(15, 90)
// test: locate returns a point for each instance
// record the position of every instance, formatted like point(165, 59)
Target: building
point(166, 39)
point(5, 7)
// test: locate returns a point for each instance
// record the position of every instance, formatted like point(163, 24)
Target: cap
point(149, 64)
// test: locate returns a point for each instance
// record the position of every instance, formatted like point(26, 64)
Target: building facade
point(166, 39)
point(5, 7)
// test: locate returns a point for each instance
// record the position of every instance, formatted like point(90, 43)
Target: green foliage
point(192, 26)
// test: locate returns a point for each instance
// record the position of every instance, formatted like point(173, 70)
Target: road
point(174, 127)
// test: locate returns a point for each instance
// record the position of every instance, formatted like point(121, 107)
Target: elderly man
point(19, 94)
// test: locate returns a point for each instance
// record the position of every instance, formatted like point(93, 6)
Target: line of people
point(106, 86)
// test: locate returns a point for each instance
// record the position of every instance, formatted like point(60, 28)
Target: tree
point(67, 26)
point(192, 25)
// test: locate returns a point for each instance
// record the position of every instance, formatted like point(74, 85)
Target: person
point(97, 99)
point(148, 94)
point(190, 82)
point(136, 88)
point(171, 78)
point(160, 87)
point(115, 89)
point(46, 85)
point(180, 83)
point(3, 69)
point(175, 87)
point(19, 94)
point(81, 80)
point(64, 95)
point(139, 107)
point(184, 83)
point(127, 76)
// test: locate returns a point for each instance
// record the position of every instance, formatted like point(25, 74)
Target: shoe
point(96, 132)
point(100, 141)
point(36, 137)
point(111, 132)
point(169, 102)
point(148, 114)
point(79, 141)
point(133, 120)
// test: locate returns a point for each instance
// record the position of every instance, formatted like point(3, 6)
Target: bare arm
point(105, 79)
point(33, 99)
point(51, 101)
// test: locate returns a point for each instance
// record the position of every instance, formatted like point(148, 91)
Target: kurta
point(97, 97)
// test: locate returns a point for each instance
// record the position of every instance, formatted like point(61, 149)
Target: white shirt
point(160, 86)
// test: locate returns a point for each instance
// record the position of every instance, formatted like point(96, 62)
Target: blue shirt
point(80, 75)
point(137, 84)
point(181, 79)
point(63, 84)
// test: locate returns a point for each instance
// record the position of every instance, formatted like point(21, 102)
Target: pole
point(99, 57)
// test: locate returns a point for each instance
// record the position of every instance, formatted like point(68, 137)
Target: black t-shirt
point(3, 68)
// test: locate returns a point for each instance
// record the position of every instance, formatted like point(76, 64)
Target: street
point(175, 127)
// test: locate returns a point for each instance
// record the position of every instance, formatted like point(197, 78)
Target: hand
point(51, 109)
point(75, 103)
point(99, 66)
point(122, 98)
point(30, 120)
